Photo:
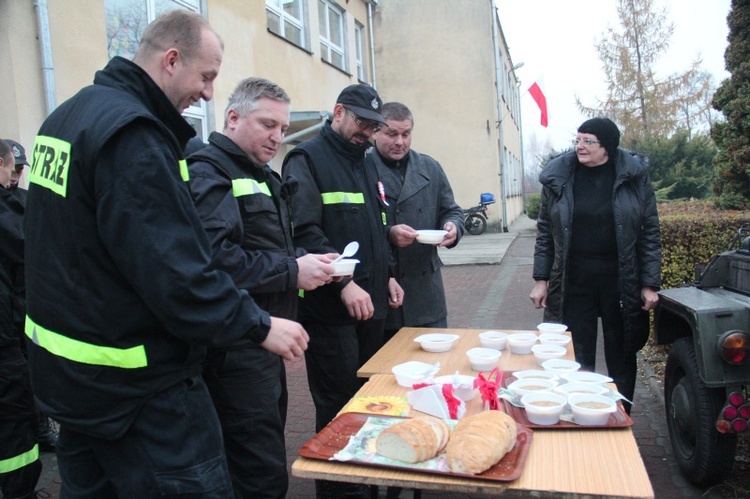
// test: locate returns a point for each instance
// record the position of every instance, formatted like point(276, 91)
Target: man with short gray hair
point(244, 209)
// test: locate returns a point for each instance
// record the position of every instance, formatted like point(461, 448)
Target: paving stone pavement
point(489, 292)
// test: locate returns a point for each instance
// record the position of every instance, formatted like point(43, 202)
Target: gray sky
point(555, 41)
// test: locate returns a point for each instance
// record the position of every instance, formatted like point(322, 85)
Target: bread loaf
point(478, 442)
point(413, 440)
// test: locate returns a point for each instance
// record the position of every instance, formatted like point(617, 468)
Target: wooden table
point(402, 348)
point(565, 463)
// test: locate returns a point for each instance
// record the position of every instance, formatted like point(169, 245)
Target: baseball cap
point(363, 100)
point(18, 152)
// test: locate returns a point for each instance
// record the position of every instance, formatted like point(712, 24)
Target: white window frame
point(359, 44)
point(327, 46)
point(275, 7)
point(199, 110)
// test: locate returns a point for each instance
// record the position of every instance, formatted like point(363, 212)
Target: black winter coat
point(636, 229)
point(122, 296)
point(248, 222)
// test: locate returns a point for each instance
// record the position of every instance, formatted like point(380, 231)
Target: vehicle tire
point(704, 455)
point(475, 224)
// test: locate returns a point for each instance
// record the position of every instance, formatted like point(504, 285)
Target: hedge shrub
point(692, 232)
point(533, 202)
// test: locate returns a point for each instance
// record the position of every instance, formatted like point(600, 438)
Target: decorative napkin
point(384, 404)
point(436, 400)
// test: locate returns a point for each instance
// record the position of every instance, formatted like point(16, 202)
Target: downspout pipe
point(372, 44)
point(500, 114)
point(45, 49)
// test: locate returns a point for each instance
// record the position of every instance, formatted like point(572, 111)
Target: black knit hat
point(363, 100)
point(606, 132)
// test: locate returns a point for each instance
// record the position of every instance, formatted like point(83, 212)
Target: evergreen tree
point(732, 180)
point(638, 100)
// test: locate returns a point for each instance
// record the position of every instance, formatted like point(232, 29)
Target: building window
point(126, 20)
point(286, 18)
point(359, 43)
point(332, 34)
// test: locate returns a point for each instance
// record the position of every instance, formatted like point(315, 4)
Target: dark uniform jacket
point(636, 230)
point(247, 219)
point(337, 202)
point(423, 200)
point(11, 266)
point(121, 296)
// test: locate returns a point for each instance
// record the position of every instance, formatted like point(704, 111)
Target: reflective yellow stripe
point(184, 172)
point(247, 186)
point(50, 164)
point(19, 461)
point(86, 353)
point(342, 197)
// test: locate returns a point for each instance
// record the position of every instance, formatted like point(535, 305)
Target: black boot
point(47, 438)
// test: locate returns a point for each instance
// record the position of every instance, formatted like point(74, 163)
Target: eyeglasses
point(364, 124)
point(585, 142)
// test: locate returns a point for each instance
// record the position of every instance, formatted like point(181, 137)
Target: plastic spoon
point(350, 250)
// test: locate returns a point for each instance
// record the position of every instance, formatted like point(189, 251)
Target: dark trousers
point(332, 358)
point(592, 292)
point(248, 387)
point(20, 466)
point(172, 449)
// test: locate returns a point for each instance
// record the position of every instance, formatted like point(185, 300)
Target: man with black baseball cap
point(19, 155)
point(338, 202)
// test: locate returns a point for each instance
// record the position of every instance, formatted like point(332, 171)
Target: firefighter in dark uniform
point(19, 453)
point(338, 202)
point(243, 206)
point(122, 299)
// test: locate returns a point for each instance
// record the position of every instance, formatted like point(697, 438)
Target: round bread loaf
point(478, 442)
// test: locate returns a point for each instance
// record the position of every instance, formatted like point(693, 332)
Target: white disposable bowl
point(521, 343)
point(568, 389)
point(547, 352)
point(411, 372)
point(431, 236)
point(463, 385)
point(493, 339)
point(526, 386)
point(436, 342)
point(483, 359)
point(543, 408)
point(535, 374)
point(560, 366)
point(345, 266)
point(552, 328)
point(587, 377)
point(583, 414)
point(560, 340)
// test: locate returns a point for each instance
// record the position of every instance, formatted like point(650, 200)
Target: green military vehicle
point(708, 367)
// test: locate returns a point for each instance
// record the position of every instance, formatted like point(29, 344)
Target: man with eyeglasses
point(338, 202)
point(598, 249)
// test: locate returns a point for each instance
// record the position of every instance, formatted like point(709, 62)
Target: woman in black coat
point(598, 249)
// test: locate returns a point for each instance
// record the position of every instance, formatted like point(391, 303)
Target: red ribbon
point(453, 402)
point(488, 388)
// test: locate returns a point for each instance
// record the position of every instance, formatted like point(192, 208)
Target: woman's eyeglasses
point(585, 142)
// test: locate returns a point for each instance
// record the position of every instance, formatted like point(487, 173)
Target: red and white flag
point(538, 95)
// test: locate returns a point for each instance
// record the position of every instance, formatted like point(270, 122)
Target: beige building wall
point(79, 49)
point(438, 58)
